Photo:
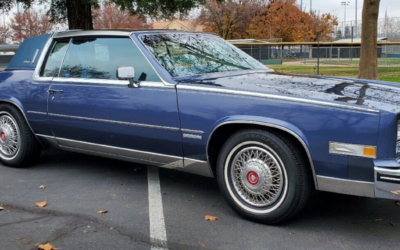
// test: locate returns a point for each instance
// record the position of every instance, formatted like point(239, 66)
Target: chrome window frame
point(71, 35)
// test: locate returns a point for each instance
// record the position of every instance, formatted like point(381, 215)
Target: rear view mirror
point(127, 73)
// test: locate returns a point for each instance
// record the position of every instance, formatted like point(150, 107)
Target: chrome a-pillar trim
point(271, 126)
point(343, 186)
point(125, 154)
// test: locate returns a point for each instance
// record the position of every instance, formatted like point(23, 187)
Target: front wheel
point(262, 176)
point(18, 145)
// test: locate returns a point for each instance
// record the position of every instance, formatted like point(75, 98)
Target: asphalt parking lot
point(78, 186)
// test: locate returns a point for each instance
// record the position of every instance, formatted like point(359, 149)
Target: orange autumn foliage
point(274, 19)
point(282, 20)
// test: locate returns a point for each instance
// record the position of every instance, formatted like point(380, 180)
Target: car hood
point(371, 94)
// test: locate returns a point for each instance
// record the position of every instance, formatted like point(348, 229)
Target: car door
point(91, 110)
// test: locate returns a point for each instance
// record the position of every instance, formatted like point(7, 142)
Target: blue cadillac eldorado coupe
point(192, 102)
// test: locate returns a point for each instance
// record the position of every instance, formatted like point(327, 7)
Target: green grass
point(391, 74)
point(345, 61)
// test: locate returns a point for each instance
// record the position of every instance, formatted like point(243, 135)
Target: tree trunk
point(79, 14)
point(369, 34)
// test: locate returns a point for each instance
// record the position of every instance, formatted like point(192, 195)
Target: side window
point(54, 59)
point(98, 58)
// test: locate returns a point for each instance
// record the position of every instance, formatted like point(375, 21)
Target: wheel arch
point(223, 130)
point(19, 106)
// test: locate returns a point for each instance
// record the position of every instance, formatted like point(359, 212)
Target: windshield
point(194, 54)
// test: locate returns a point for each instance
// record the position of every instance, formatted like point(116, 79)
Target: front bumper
point(387, 182)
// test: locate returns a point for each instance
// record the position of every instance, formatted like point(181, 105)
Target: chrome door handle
point(52, 91)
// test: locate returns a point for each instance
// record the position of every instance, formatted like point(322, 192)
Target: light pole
point(345, 3)
point(356, 21)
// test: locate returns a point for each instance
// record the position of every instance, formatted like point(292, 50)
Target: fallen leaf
point(398, 203)
point(378, 219)
point(41, 204)
point(396, 192)
point(210, 218)
point(292, 232)
point(391, 223)
point(102, 211)
point(1, 208)
point(202, 245)
point(42, 186)
point(47, 246)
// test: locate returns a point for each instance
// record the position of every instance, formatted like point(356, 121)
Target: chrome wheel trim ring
point(10, 137)
point(256, 176)
point(243, 203)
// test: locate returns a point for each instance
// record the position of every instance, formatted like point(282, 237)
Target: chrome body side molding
point(277, 97)
point(137, 156)
point(343, 186)
point(36, 112)
point(271, 126)
point(114, 122)
point(189, 131)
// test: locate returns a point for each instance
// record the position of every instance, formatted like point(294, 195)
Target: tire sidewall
point(278, 149)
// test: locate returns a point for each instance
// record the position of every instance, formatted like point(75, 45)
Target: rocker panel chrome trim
point(271, 126)
point(197, 167)
point(342, 186)
point(137, 156)
point(115, 122)
point(277, 97)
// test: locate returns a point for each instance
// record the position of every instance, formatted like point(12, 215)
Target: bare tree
point(29, 23)
point(5, 33)
point(369, 34)
point(110, 16)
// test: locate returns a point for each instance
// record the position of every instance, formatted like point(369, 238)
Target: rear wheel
point(262, 176)
point(18, 145)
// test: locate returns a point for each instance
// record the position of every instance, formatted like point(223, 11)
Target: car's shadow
point(326, 215)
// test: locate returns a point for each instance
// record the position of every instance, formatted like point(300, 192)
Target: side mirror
point(127, 73)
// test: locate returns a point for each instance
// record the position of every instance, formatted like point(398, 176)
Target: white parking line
point(158, 235)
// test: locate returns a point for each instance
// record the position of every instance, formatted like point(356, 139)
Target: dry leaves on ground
point(1, 208)
point(41, 204)
point(47, 246)
point(396, 192)
point(42, 186)
point(102, 211)
point(210, 218)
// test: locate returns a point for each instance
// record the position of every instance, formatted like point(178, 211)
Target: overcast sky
point(335, 7)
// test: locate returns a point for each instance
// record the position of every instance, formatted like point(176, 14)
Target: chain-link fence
point(340, 55)
point(387, 27)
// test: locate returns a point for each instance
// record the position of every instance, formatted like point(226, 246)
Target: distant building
point(190, 25)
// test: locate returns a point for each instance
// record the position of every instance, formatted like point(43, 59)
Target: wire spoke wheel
point(257, 176)
point(263, 176)
point(9, 136)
